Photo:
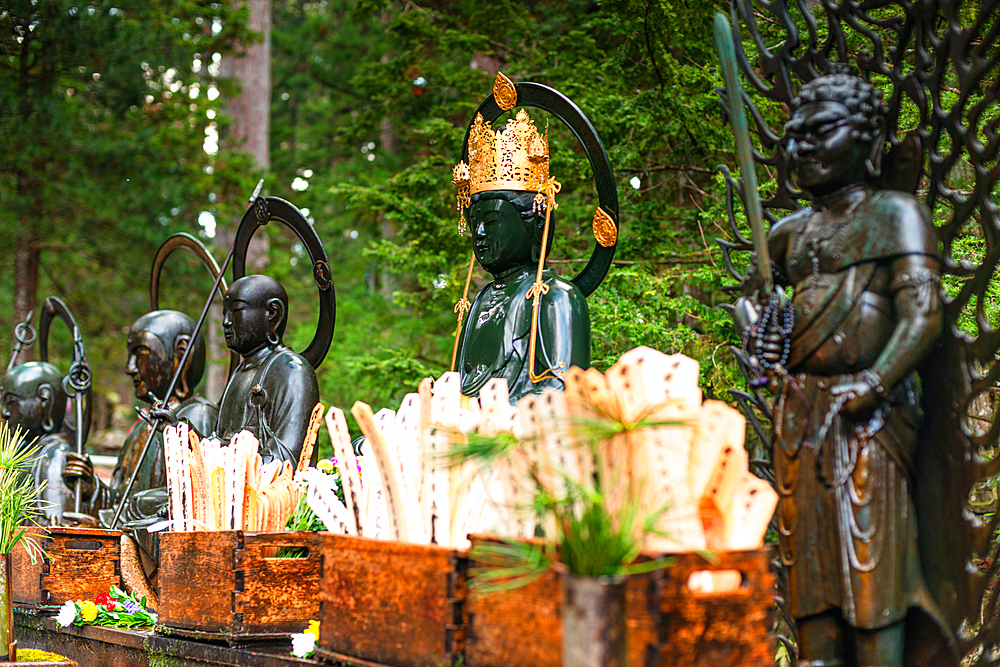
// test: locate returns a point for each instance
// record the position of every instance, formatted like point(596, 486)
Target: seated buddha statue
point(273, 390)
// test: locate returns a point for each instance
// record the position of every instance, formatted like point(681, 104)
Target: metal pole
point(24, 337)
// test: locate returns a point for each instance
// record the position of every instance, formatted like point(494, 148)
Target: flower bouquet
point(115, 609)
point(304, 643)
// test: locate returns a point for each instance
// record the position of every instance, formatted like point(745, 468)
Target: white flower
point(67, 614)
point(303, 644)
point(308, 477)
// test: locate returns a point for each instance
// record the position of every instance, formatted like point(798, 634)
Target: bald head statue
point(156, 343)
point(32, 397)
point(255, 312)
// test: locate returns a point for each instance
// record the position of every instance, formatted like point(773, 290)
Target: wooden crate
point(231, 585)
point(79, 564)
point(668, 624)
point(718, 629)
point(390, 602)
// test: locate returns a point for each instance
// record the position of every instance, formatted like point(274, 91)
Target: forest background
point(116, 132)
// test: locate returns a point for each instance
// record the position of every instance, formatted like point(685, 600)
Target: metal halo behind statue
point(263, 211)
point(185, 240)
point(52, 308)
point(548, 99)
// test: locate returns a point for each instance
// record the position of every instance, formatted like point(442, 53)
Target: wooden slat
point(26, 581)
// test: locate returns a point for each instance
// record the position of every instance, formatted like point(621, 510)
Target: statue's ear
point(181, 342)
point(873, 163)
point(275, 311)
point(44, 394)
point(275, 316)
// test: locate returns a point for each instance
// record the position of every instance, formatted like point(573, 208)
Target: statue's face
point(244, 323)
point(501, 238)
point(150, 365)
point(822, 153)
point(20, 409)
point(31, 397)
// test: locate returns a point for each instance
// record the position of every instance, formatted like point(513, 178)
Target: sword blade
point(744, 149)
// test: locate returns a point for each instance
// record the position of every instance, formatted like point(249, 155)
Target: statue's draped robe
point(495, 336)
point(147, 501)
point(846, 519)
point(196, 411)
point(278, 414)
point(56, 498)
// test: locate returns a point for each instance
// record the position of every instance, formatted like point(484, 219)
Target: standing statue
point(32, 399)
point(528, 325)
point(273, 390)
point(890, 339)
point(865, 269)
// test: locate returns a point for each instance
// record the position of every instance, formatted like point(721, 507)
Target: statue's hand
point(165, 415)
point(862, 398)
point(79, 468)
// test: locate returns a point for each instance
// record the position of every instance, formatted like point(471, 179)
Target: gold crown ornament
point(513, 158)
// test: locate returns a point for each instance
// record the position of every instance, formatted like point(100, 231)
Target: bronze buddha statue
point(273, 391)
point(865, 268)
point(155, 343)
point(32, 398)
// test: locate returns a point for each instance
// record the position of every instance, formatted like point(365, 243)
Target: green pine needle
point(19, 497)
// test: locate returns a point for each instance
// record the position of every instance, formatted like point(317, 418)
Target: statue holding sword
point(864, 268)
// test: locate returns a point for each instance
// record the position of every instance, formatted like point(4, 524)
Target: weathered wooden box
point(669, 625)
point(232, 586)
point(79, 564)
point(718, 629)
point(390, 602)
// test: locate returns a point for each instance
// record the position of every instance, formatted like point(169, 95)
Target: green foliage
point(101, 155)
point(19, 497)
point(370, 102)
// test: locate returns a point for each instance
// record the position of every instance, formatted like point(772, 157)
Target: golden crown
point(513, 158)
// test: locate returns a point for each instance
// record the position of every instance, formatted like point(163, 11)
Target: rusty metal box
point(232, 585)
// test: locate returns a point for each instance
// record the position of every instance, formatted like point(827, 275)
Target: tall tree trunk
point(250, 132)
point(26, 261)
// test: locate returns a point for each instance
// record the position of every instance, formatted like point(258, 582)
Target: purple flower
point(133, 607)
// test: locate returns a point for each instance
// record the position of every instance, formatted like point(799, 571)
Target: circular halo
point(548, 99)
point(185, 240)
point(265, 209)
point(52, 308)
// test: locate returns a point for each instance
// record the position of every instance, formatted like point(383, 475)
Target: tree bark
point(26, 261)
